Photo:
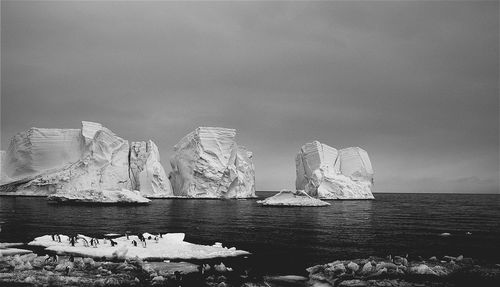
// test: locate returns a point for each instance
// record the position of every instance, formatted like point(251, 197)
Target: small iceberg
point(122, 196)
point(151, 247)
point(291, 198)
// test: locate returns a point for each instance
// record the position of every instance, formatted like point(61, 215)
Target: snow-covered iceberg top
point(208, 163)
point(168, 246)
point(99, 196)
point(47, 161)
point(328, 173)
point(291, 198)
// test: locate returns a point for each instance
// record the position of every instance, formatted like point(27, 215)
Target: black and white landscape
point(245, 143)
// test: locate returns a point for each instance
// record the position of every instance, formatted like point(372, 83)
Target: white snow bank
point(290, 198)
point(170, 246)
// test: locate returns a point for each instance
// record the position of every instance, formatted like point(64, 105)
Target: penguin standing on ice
point(113, 243)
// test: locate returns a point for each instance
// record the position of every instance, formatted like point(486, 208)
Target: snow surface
point(99, 196)
point(49, 161)
point(324, 172)
point(290, 198)
point(208, 163)
point(171, 246)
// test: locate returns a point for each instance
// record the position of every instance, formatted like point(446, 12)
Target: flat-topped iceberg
point(123, 196)
point(168, 246)
point(328, 173)
point(291, 198)
point(48, 161)
point(208, 163)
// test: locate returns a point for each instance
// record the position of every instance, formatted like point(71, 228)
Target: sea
point(285, 240)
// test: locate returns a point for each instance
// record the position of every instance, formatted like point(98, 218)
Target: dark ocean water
point(285, 240)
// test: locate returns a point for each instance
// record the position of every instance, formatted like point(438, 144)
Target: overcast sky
point(413, 83)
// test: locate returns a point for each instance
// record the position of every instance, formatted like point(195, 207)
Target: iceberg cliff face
point(36, 150)
point(146, 172)
point(48, 161)
point(328, 173)
point(209, 164)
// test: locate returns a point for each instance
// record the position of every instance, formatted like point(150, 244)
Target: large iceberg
point(49, 161)
point(208, 163)
point(328, 173)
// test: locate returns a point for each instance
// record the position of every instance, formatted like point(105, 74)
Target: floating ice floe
point(289, 198)
point(208, 163)
point(123, 196)
point(168, 246)
point(327, 173)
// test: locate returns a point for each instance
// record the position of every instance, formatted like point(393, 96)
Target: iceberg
point(290, 198)
point(208, 163)
point(159, 248)
point(327, 173)
point(146, 172)
point(90, 158)
point(42, 162)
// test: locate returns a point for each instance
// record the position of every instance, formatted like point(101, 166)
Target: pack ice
point(328, 173)
point(208, 163)
point(57, 161)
